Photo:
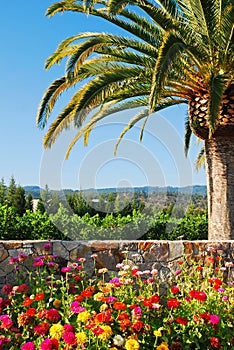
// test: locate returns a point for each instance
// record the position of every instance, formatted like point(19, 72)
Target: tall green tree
point(19, 200)
point(29, 202)
point(173, 52)
point(3, 191)
point(11, 189)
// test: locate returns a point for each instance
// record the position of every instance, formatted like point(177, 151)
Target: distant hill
point(196, 189)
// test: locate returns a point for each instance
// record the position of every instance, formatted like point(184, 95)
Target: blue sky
point(28, 37)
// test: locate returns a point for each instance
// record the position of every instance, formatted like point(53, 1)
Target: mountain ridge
point(192, 189)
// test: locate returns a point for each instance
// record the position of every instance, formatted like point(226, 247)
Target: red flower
point(6, 289)
point(134, 271)
point(40, 296)
point(31, 312)
point(27, 301)
point(86, 293)
point(182, 320)
point(155, 298)
point(138, 327)
point(97, 331)
point(205, 316)
point(123, 316)
point(103, 317)
point(214, 341)
point(148, 303)
point(199, 268)
point(78, 298)
point(53, 315)
point(23, 288)
point(124, 324)
point(201, 296)
point(119, 305)
point(175, 290)
point(42, 328)
point(173, 303)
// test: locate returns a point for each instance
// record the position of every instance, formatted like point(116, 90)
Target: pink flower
point(136, 313)
point(69, 338)
point(214, 319)
point(76, 308)
point(47, 246)
point(66, 269)
point(49, 344)
point(6, 322)
point(81, 260)
point(28, 346)
point(68, 327)
point(38, 262)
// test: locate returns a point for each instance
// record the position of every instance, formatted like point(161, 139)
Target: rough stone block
point(157, 252)
point(3, 253)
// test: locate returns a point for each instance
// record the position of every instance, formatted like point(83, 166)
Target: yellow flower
point(103, 307)
point(163, 346)
point(113, 348)
point(81, 338)
point(106, 334)
point(132, 344)
point(56, 331)
point(83, 316)
point(57, 303)
point(98, 296)
point(157, 333)
point(104, 270)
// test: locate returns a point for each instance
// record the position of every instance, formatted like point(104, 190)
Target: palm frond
point(200, 160)
point(187, 136)
point(217, 87)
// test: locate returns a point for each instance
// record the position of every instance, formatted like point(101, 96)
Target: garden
point(64, 307)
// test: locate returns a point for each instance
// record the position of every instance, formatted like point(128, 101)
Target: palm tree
point(173, 52)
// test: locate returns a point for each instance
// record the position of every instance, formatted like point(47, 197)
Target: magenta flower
point(6, 322)
point(49, 344)
point(47, 246)
point(38, 262)
point(136, 313)
point(28, 346)
point(214, 319)
point(68, 327)
point(3, 341)
point(76, 308)
point(69, 338)
point(66, 269)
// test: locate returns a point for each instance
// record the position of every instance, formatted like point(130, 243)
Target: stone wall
point(159, 255)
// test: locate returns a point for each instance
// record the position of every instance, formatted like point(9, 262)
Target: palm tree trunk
point(219, 153)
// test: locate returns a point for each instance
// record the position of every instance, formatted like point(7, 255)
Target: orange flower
point(124, 324)
point(23, 320)
point(40, 296)
point(31, 312)
point(119, 305)
point(27, 301)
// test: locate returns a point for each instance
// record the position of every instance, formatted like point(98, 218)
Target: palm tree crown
point(174, 51)
point(177, 52)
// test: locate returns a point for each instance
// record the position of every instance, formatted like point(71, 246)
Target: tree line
point(79, 215)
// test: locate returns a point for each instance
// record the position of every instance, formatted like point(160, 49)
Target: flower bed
point(123, 310)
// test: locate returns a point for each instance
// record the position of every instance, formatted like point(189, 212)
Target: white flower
point(118, 340)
